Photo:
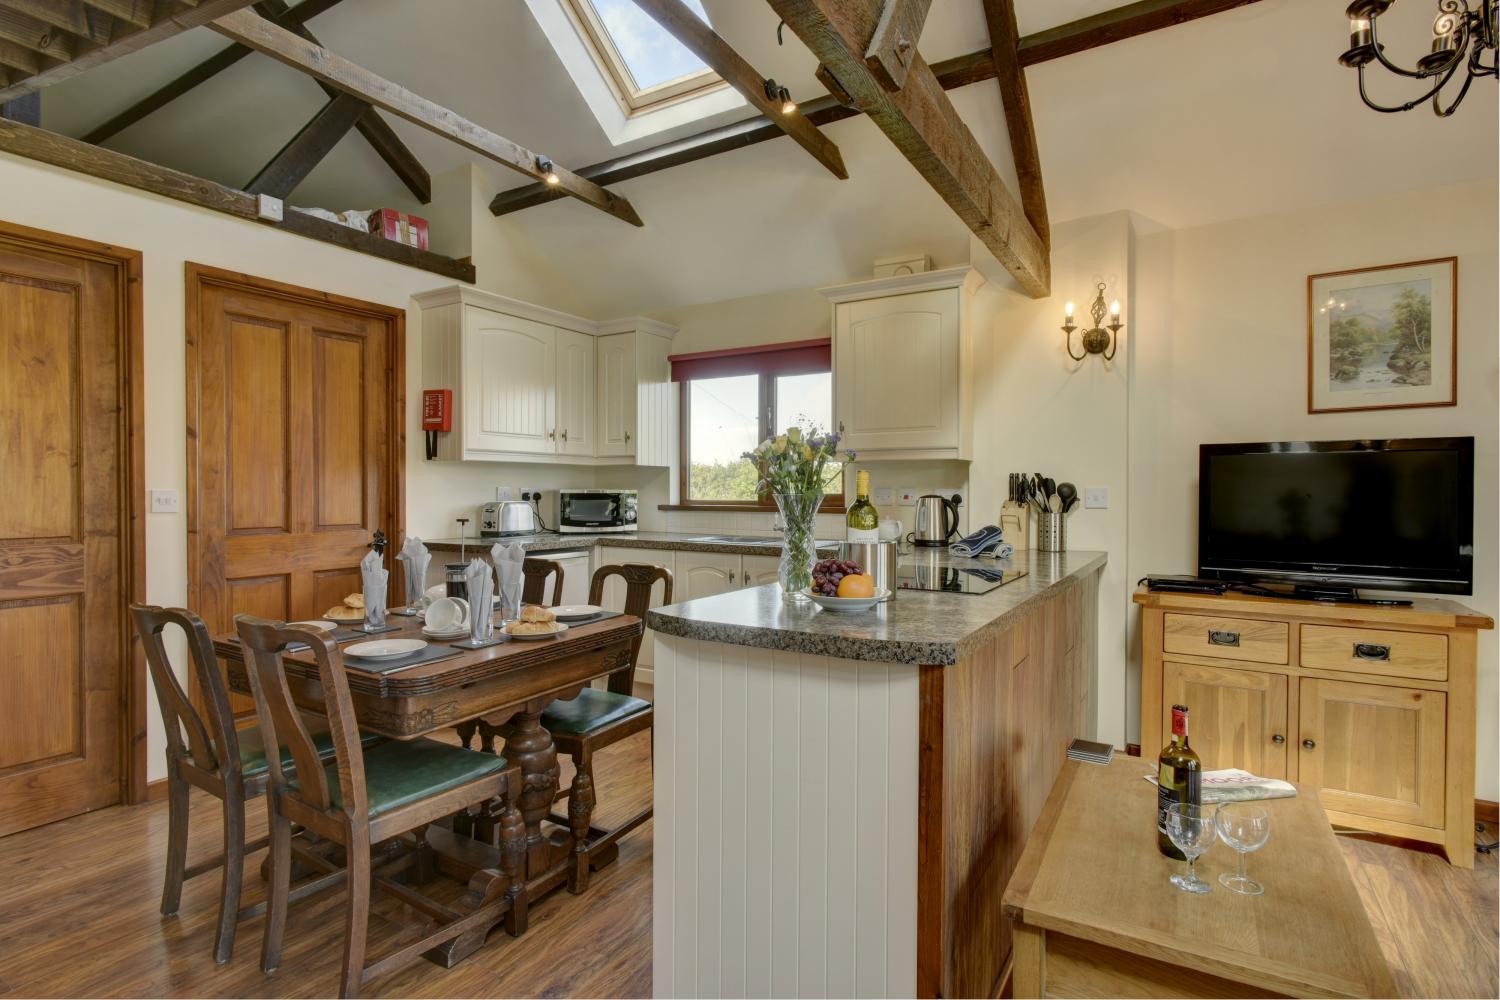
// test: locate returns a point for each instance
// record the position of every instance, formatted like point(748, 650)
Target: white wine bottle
point(863, 518)
point(1179, 778)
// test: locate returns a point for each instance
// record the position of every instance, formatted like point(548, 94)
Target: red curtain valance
point(796, 358)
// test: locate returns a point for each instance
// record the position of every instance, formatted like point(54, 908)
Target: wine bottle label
point(864, 534)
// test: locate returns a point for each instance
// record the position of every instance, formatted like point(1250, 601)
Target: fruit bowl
point(847, 603)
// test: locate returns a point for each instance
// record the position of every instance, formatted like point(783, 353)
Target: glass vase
point(799, 547)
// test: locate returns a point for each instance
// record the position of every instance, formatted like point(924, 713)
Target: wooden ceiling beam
point(247, 28)
point(18, 57)
point(136, 12)
point(1117, 25)
point(889, 53)
point(70, 15)
point(925, 126)
point(291, 165)
point(705, 43)
point(38, 35)
point(1000, 15)
point(159, 29)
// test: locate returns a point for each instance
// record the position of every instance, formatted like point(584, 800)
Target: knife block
point(1015, 523)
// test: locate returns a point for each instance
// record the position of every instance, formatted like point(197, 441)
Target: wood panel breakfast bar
point(840, 798)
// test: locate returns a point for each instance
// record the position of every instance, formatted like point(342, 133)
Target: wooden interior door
point(64, 538)
point(1374, 751)
point(1235, 716)
point(294, 425)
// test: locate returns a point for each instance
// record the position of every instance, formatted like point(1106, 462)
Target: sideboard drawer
point(1226, 638)
point(1375, 651)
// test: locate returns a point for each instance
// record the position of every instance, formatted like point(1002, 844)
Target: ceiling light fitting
point(547, 170)
point(775, 92)
point(1457, 29)
point(1095, 340)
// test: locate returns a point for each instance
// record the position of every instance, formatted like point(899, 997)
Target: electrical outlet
point(906, 496)
point(883, 498)
point(1096, 496)
point(164, 502)
point(949, 494)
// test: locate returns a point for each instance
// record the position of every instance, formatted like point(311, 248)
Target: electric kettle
point(936, 520)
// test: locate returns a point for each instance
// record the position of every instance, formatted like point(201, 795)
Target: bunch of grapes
point(827, 574)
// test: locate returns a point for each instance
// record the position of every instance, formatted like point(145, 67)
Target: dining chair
point(365, 796)
point(205, 750)
point(534, 574)
point(596, 719)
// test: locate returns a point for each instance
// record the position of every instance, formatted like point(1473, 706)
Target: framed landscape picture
point(1383, 337)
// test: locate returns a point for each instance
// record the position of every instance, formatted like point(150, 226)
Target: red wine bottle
point(1179, 778)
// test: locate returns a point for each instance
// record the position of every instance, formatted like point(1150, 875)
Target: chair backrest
point(639, 581)
point(534, 573)
point(281, 723)
point(210, 743)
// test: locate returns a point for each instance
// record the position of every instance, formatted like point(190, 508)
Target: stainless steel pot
point(878, 560)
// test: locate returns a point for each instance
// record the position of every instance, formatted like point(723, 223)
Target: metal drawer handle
point(1278, 739)
point(1371, 651)
point(1309, 745)
point(1218, 638)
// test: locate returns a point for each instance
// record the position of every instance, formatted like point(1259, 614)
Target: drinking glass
point(1191, 828)
point(1245, 827)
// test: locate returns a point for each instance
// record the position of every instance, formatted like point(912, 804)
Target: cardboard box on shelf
point(400, 227)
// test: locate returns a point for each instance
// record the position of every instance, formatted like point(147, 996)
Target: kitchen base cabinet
point(614, 596)
point(758, 570)
point(704, 574)
point(1372, 707)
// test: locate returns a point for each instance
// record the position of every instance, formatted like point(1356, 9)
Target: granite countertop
point(551, 541)
point(914, 627)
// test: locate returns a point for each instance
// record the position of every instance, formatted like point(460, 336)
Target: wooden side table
point(1094, 913)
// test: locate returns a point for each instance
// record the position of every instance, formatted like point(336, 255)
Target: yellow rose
point(807, 453)
point(780, 445)
point(794, 434)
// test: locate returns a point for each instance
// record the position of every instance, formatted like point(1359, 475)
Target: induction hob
point(954, 579)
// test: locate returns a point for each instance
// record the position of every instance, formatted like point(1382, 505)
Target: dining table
point(511, 682)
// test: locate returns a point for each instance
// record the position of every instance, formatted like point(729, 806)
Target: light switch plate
point(906, 496)
point(883, 498)
point(1096, 496)
point(164, 502)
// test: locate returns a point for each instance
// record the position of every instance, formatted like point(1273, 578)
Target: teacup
point(447, 614)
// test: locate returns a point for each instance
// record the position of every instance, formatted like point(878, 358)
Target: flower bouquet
point(795, 469)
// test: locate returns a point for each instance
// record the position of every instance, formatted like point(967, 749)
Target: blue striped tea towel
point(986, 540)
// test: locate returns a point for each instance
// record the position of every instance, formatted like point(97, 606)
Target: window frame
point(833, 502)
point(633, 99)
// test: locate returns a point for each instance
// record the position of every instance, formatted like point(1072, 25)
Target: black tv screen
point(1392, 515)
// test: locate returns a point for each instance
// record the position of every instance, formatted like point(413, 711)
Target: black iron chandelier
point(1461, 37)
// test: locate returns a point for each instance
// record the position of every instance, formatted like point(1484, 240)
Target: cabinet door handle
point(1278, 739)
point(1372, 651)
point(1309, 745)
point(552, 433)
point(1218, 638)
point(627, 437)
point(565, 434)
point(747, 578)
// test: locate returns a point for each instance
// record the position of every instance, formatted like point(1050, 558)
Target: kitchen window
point(731, 401)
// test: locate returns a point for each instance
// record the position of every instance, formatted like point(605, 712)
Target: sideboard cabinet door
point(1234, 716)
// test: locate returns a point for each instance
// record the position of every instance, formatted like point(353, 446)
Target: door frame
point(132, 493)
point(195, 278)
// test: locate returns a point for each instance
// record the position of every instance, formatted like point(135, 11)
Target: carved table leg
point(531, 748)
point(580, 811)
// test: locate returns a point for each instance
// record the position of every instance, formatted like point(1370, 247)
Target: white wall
point(1221, 355)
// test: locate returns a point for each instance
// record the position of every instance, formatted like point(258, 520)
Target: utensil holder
point(1051, 532)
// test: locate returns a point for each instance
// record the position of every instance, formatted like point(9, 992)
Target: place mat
point(600, 617)
point(433, 651)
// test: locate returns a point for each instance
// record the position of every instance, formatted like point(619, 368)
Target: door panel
point(703, 574)
point(575, 393)
point(895, 370)
point(509, 396)
point(62, 330)
point(617, 394)
point(1234, 716)
point(1376, 751)
point(293, 470)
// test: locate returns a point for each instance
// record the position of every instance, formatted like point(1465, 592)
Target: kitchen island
point(840, 798)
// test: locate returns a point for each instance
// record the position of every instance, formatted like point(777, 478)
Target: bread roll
point(537, 613)
point(344, 613)
point(355, 601)
point(531, 628)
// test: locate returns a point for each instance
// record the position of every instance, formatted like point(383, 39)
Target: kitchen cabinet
point(1372, 708)
point(704, 574)
point(902, 365)
point(536, 385)
point(756, 570)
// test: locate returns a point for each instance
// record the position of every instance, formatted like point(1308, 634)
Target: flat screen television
point(1339, 515)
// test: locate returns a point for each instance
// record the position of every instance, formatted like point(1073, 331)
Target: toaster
point(500, 518)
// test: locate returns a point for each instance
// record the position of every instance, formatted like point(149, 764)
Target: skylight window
point(644, 64)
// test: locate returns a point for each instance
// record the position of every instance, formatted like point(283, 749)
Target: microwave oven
point(596, 510)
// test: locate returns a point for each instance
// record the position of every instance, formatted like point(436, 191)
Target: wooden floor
point(78, 917)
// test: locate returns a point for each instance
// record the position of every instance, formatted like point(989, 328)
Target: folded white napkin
point(414, 560)
point(481, 596)
point(508, 560)
point(373, 576)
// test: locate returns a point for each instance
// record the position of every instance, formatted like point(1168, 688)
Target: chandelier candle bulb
point(1359, 32)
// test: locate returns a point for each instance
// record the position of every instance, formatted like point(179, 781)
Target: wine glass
point(1191, 828)
point(1245, 827)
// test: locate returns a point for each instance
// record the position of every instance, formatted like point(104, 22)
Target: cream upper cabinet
point(902, 371)
point(536, 385)
point(575, 393)
point(507, 383)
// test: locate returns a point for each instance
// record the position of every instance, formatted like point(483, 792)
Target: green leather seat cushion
point(253, 748)
point(591, 710)
point(397, 773)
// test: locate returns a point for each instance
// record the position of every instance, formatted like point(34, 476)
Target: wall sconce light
point(775, 92)
point(549, 173)
point(1095, 340)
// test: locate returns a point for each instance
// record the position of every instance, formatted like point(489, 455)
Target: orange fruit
point(857, 585)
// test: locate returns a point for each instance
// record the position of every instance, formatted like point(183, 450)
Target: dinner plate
point(576, 612)
point(323, 623)
point(559, 629)
point(848, 603)
point(449, 633)
point(384, 649)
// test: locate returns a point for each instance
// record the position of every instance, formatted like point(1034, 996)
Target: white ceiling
point(1242, 113)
